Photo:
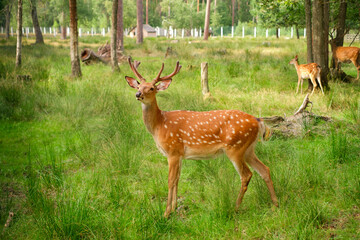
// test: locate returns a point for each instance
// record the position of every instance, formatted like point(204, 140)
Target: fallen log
point(103, 55)
point(294, 125)
point(89, 57)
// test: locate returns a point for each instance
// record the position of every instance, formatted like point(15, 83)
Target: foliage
point(173, 14)
point(280, 13)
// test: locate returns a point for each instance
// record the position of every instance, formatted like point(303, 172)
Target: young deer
point(345, 55)
point(305, 71)
point(199, 135)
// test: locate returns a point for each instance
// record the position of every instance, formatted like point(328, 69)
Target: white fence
point(238, 31)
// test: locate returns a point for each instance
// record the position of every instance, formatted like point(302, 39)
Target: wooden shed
point(148, 31)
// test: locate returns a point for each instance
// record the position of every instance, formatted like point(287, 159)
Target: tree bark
point(19, 35)
point(319, 39)
point(310, 58)
point(147, 11)
point(7, 19)
point(297, 32)
point(120, 27)
point(114, 62)
point(340, 28)
point(74, 43)
point(38, 34)
point(277, 32)
point(139, 27)
point(207, 20)
point(63, 27)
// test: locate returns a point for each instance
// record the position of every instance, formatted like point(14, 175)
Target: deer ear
point(163, 85)
point(132, 82)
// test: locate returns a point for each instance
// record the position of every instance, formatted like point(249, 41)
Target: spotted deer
point(199, 135)
point(306, 71)
point(345, 55)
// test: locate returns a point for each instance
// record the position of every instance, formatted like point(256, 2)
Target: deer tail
point(264, 131)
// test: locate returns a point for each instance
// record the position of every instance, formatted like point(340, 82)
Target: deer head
point(147, 90)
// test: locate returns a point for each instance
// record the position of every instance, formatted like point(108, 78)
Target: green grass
point(78, 163)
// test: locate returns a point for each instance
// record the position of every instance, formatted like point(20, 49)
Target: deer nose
point(138, 94)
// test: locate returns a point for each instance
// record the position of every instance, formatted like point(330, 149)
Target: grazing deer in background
point(199, 135)
point(345, 55)
point(305, 71)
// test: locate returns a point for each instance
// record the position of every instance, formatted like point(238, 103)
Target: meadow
point(76, 161)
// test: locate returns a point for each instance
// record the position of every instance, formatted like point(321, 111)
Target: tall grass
point(77, 162)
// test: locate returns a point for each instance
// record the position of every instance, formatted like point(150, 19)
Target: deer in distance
point(199, 135)
point(306, 71)
point(345, 55)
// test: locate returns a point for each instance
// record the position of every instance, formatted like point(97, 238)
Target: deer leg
point(174, 196)
point(312, 78)
point(302, 81)
point(264, 172)
point(297, 89)
point(244, 172)
point(357, 67)
point(174, 175)
point(319, 80)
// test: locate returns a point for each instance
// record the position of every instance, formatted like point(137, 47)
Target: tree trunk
point(277, 32)
point(326, 21)
point(309, 46)
point(7, 19)
point(340, 28)
point(147, 11)
point(63, 27)
point(207, 20)
point(114, 62)
point(139, 27)
point(297, 32)
point(74, 49)
point(38, 34)
point(319, 39)
point(233, 12)
point(310, 58)
point(120, 27)
point(19, 35)
point(198, 6)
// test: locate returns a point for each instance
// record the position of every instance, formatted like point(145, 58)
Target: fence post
point(27, 32)
point(54, 32)
point(267, 33)
point(279, 32)
point(204, 80)
point(175, 33)
point(182, 33)
point(2, 30)
point(68, 30)
point(221, 32)
point(200, 32)
point(292, 32)
point(12, 32)
point(50, 30)
point(304, 32)
point(79, 32)
point(254, 32)
point(243, 31)
point(232, 31)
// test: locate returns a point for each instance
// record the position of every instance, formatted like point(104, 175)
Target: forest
point(179, 119)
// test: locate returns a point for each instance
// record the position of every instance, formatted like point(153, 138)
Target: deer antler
point(158, 78)
point(134, 69)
